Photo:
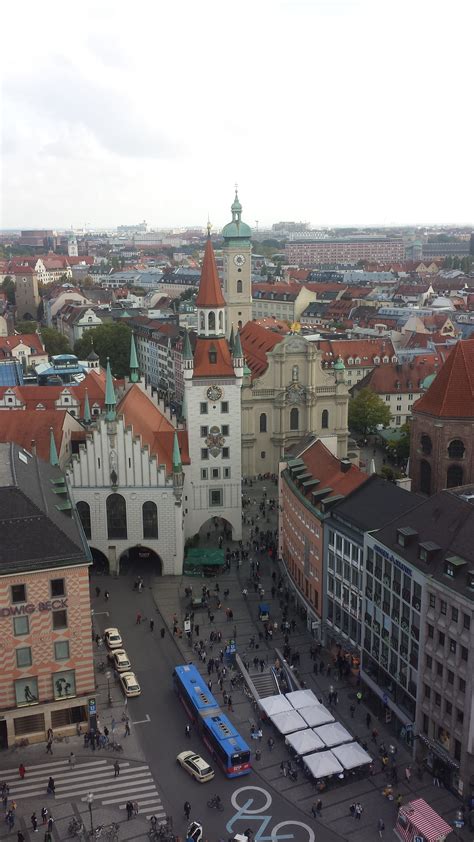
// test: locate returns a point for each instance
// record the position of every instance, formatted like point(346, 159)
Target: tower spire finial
point(110, 398)
point(209, 227)
point(134, 372)
point(53, 453)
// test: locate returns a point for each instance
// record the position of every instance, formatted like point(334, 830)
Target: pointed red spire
point(210, 292)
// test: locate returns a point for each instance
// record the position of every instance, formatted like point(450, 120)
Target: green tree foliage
point(54, 342)
point(8, 286)
point(110, 340)
point(367, 411)
point(26, 326)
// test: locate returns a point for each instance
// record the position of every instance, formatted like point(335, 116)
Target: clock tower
point(212, 385)
point(237, 254)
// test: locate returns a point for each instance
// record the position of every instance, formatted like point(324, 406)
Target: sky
point(333, 112)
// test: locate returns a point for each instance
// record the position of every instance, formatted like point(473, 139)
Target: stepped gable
point(451, 395)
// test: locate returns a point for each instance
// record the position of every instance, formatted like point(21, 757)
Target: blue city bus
point(225, 743)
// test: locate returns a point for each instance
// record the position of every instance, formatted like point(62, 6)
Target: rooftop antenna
point(256, 224)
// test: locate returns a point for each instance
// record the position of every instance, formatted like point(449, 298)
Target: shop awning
point(351, 755)
point(440, 752)
point(304, 742)
point(316, 715)
point(322, 764)
point(334, 734)
point(288, 722)
point(301, 698)
point(428, 823)
point(275, 704)
point(204, 558)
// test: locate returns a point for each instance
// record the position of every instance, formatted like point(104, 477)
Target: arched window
point(221, 320)
point(294, 419)
point(426, 445)
point(150, 519)
point(425, 477)
point(202, 324)
point(456, 449)
point(325, 419)
point(211, 322)
point(116, 516)
point(239, 324)
point(239, 286)
point(454, 476)
point(84, 512)
point(295, 373)
point(263, 422)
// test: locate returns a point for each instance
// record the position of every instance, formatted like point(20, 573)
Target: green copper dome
point(339, 365)
point(236, 229)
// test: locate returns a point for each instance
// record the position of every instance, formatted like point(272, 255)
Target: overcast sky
point(330, 111)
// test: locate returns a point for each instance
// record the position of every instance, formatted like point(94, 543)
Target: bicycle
point(76, 828)
point(216, 803)
point(109, 832)
point(101, 666)
point(21, 743)
point(61, 738)
point(115, 746)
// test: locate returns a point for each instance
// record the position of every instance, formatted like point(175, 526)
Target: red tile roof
point(327, 468)
point(223, 367)
point(383, 379)
point(451, 395)
point(32, 340)
point(363, 349)
point(27, 425)
point(155, 429)
point(210, 291)
point(257, 341)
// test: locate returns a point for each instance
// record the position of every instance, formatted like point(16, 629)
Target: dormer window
point(357, 360)
point(212, 355)
point(350, 361)
point(405, 535)
point(385, 359)
point(427, 550)
point(376, 360)
point(453, 564)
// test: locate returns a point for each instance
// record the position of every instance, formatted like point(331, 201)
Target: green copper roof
point(53, 453)
point(339, 365)
point(236, 229)
point(134, 373)
point(187, 350)
point(87, 409)
point(110, 399)
point(231, 339)
point(237, 350)
point(177, 467)
point(247, 372)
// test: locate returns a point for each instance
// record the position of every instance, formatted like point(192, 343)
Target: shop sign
point(30, 608)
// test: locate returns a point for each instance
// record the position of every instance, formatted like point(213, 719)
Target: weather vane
point(209, 226)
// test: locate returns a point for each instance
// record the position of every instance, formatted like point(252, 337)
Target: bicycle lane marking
point(246, 814)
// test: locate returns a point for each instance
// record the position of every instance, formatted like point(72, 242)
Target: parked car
point(195, 766)
point(120, 660)
point(130, 685)
point(113, 639)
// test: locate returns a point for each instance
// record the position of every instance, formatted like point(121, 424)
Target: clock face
point(239, 259)
point(214, 393)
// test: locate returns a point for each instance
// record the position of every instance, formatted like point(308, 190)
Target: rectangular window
point(450, 677)
point(452, 645)
point(61, 650)
point(430, 630)
point(226, 473)
point(59, 619)
point(466, 621)
point(427, 690)
point(448, 708)
point(204, 453)
point(21, 625)
point(464, 653)
point(225, 429)
point(225, 452)
point(215, 473)
point(203, 473)
point(439, 669)
point(57, 587)
point(459, 716)
point(454, 615)
point(432, 600)
point(462, 685)
point(437, 700)
point(457, 750)
point(204, 432)
point(441, 638)
point(23, 656)
point(444, 607)
point(26, 691)
point(429, 661)
point(426, 723)
point(215, 497)
point(203, 408)
point(225, 406)
point(64, 684)
point(18, 593)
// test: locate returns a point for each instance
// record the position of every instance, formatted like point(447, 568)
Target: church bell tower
point(237, 253)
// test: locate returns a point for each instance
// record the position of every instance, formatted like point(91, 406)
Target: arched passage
point(100, 563)
point(140, 561)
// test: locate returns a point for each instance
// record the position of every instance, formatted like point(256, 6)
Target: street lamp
point(90, 798)
point(108, 676)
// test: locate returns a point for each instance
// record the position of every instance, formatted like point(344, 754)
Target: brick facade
point(431, 471)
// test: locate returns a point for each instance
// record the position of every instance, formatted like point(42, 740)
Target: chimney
point(345, 465)
point(33, 447)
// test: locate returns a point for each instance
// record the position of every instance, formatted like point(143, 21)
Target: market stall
point(274, 704)
point(304, 742)
point(316, 715)
point(323, 764)
point(418, 821)
point(351, 755)
point(288, 722)
point(333, 734)
point(302, 699)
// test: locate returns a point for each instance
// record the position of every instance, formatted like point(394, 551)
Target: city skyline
point(335, 113)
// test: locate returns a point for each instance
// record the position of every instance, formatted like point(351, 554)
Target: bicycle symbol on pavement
point(249, 814)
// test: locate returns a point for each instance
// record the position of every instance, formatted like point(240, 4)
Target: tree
point(367, 411)
point(401, 448)
point(26, 326)
point(109, 340)
point(8, 286)
point(54, 342)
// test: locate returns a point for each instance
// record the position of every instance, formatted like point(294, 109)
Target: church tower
point(212, 389)
point(237, 253)
point(72, 248)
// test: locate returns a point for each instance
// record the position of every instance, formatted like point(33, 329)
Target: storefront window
point(26, 691)
point(64, 684)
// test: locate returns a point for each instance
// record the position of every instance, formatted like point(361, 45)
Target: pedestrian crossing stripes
point(133, 783)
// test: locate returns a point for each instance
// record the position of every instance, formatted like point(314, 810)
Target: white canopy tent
point(304, 742)
point(351, 755)
point(322, 764)
point(334, 734)
point(288, 721)
point(275, 704)
point(302, 699)
point(316, 715)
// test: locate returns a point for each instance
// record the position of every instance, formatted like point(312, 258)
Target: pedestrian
point(270, 743)
point(50, 823)
point(319, 807)
point(358, 810)
point(381, 827)
point(408, 774)
point(359, 697)
point(229, 703)
point(352, 810)
point(283, 768)
point(368, 720)
point(187, 731)
point(44, 814)
point(106, 596)
point(129, 808)
point(127, 727)
point(375, 734)
point(258, 754)
point(49, 747)
point(10, 820)
point(314, 811)
point(352, 710)
point(21, 771)
point(162, 633)
point(139, 618)
point(51, 788)
point(152, 625)
point(135, 808)
point(19, 836)
point(116, 769)
point(34, 823)
point(187, 809)
point(72, 760)
point(398, 801)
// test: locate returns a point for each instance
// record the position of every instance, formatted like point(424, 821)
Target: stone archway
point(100, 563)
point(213, 529)
point(140, 561)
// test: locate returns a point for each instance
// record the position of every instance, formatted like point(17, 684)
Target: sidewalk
point(169, 594)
